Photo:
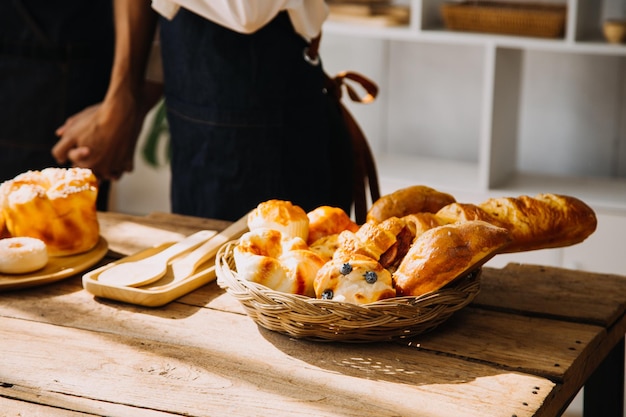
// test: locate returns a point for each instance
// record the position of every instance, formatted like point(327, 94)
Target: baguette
point(540, 222)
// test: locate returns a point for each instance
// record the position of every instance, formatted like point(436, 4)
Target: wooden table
point(532, 338)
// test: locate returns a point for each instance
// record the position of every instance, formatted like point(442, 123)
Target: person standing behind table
point(55, 59)
point(248, 116)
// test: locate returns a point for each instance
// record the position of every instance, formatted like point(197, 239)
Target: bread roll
point(264, 257)
point(415, 199)
point(540, 222)
point(355, 279)
point(289, 219)
point(327, 220)
point(443, 253)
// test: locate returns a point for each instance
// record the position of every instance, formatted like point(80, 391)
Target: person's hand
point(101, 137)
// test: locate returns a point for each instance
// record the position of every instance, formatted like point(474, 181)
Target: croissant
point(371, 239)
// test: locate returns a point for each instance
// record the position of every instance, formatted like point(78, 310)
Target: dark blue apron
point(55, 60)
point(248, 120)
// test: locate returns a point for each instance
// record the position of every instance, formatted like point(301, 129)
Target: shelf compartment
point(600, 193)
point(519, 19)
point(399, 170)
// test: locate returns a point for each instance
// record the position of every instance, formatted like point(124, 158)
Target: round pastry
point(262, 256)
point(355, 279)
point(327, 220)
point(20, 255)
point(55, 205)
point(289, 219)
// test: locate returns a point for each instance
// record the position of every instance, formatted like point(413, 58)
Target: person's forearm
point(135, 24)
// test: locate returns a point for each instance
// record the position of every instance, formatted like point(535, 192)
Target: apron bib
point(248, 119)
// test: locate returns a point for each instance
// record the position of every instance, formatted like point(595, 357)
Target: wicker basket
point(326, 320)
point(520, 19)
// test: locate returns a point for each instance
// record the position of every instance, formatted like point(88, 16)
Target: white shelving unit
point(495, 140)
point(481, 115)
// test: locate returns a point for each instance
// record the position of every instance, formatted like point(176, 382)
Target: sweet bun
point(355, 279)
point(20, 255)
point(289, 219)
point(327, 220)
point(443, 253)
point(414, 199)
point(326, 246)
point(264, 257)
point(55, 205)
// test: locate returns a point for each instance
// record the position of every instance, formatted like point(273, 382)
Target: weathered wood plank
point(200, 375)
point(19, 401)
point(20, 408)
point(554, 292)
point(528, 344)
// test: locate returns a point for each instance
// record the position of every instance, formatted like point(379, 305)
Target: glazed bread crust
point(414, 199)
point(540, 222)
point(444, 253)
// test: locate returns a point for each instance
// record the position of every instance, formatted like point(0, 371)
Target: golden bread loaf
point(443, 253)
point(414, 199)
point(540, 222)
point(55, 205)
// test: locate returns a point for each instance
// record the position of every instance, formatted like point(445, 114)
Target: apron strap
point(365, 174)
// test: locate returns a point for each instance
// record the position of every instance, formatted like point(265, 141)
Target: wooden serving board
point(156, 294)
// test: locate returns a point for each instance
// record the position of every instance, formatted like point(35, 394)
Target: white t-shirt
point(247, 16)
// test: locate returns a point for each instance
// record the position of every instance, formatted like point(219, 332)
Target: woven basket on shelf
point(520, 19)
point(326, 320)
